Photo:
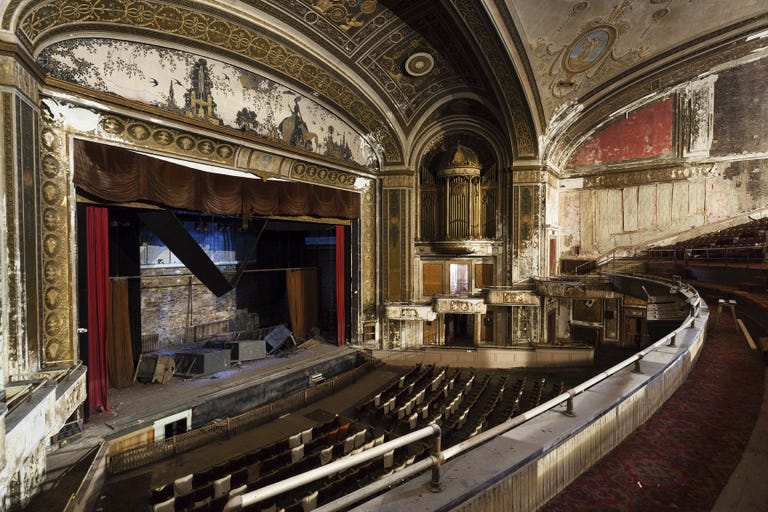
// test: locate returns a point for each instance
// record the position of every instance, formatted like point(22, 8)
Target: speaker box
point(154, 368)
point(247, 350)
point(201, 362)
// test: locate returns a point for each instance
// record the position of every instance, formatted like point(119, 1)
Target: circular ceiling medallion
point(589, 48)
point(419, 64)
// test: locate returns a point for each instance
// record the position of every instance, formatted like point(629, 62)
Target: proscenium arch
point(241, 43)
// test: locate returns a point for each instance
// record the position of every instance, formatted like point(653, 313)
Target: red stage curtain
point(119, 347)
point(97, 256)
point(341, 313)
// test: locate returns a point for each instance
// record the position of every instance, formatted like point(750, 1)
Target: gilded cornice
point(193, 146)
point(186, 21)
point(148, 135)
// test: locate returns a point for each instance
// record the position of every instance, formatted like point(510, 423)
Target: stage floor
point(141, 404)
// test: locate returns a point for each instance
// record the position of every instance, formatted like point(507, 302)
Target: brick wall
point(173, 300)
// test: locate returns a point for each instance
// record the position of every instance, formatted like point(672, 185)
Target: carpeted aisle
point(682, 457)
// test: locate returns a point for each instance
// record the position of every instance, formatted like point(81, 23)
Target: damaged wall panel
point(741, 110)
point(644, 133)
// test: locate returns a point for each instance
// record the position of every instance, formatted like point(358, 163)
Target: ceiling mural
point(581, 46)
point(391, 68)
point(207, 90)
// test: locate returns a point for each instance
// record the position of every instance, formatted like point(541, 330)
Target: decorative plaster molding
point(642, 176)
point(501, 297)
point(456, 305)
point(398, 181)
point(410, 312)
point(536, 176)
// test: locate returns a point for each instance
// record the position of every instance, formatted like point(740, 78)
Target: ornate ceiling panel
point(396, 59)
point(582, 47)
point(386, 67)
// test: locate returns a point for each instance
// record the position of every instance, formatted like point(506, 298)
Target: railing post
point(434, 484)
point(672, 340)
point(569, 404)
point(637, 363)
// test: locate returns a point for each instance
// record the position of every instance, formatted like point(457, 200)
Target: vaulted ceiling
point(401, 71)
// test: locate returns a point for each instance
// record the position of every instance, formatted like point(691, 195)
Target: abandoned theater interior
point(293, 255)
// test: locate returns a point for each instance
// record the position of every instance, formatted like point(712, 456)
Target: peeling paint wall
point(719, 170)
point(741, 110)
point(4, 264)
point(527, 237)
point(618, 217)
point(644, 133)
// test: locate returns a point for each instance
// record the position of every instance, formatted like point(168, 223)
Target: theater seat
point(165, 506)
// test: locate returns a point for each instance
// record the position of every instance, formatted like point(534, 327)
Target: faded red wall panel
point(644, 133)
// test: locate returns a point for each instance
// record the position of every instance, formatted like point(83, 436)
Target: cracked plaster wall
point(718, 171)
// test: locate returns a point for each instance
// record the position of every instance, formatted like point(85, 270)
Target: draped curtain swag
point(118, 175)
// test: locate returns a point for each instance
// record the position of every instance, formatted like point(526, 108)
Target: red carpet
point(683, 456)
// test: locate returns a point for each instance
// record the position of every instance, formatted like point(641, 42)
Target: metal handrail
point(568, 395)
point(289, 484)
point(439, 457)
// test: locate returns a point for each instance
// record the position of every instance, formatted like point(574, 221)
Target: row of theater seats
point(752, 233)
point(210, 490)
point(462, 401)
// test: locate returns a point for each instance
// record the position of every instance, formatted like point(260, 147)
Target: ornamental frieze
point(410, 312)
point(323, 175)
point(397, 181)
point(460, 306)
point(529, 176)
point(58, 320)
point(200, 147)
point(642, 177)
point(575, 290)
point(502, 297)
point(167, 140)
